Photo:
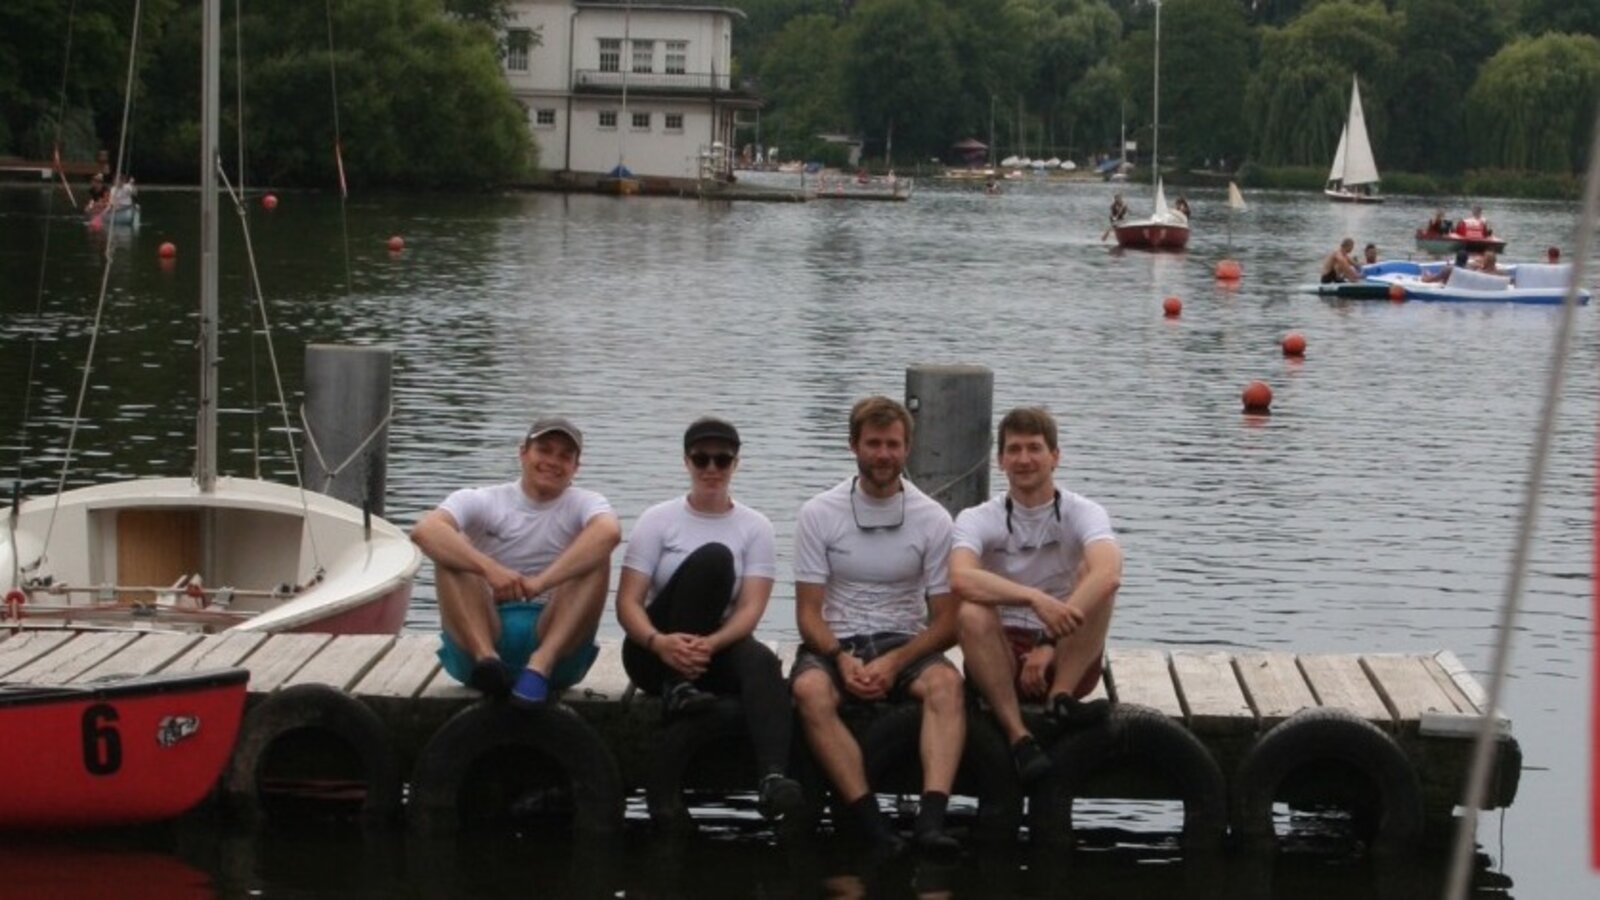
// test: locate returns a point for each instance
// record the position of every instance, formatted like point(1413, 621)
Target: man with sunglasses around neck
point(696, 578)
point(875, 613)
point(522, 571)
point(1038, 569)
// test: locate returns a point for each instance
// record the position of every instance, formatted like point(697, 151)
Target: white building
point(643, 83)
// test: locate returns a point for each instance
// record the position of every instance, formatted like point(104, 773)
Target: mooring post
point(348, 401)
point(952, 407)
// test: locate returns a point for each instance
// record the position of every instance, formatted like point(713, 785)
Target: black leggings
point(692, 603)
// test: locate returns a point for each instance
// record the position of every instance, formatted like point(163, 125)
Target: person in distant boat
point(99, 196)
point(1338, 267)
point(1443, 275)
point(1474, 227)
point(875, 614)
point(1369, 255)
point(1553, 254)
point(695, 582)
point(1119, 209)
point(1037, 569)
point(522, 571)
point(1438, 224)
point(123, 193)
point(1182, 206)
point(1488, 264)
point(991, 186)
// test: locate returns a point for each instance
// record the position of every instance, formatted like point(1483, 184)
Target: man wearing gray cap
point(522, 570)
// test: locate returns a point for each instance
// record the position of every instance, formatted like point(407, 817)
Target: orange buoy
point(1173, 307)
point(1257, 397)
point(1294, 344)
point(396, 243)
point(168, 250)
point(269, 202)
point(1228, 270)
point(1397, 293)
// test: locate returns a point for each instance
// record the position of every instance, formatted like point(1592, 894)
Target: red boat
point(1447, 243)
point(115, 753)
point(1164, 230)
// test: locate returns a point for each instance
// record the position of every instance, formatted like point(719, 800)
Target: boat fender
point(1148, 742)
point(16, 598)
point(318, 708)
point(680, 745)
point(447, 787)
point(1313, 744)
point(890, 750)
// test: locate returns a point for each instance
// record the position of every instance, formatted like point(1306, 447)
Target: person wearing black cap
point(695, 582)
point(522, 570)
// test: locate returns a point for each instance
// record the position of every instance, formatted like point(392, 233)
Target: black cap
point(710, 428)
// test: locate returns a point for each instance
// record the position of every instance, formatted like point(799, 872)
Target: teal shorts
point(519, 637)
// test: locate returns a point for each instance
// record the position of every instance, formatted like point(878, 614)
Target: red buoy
point(1257, 397)
point(396, 244)
point(1294, 344)
point(1229, 270)
point(269, 202)
point(168, 250)
point(1172, 306)
point(1397, 293)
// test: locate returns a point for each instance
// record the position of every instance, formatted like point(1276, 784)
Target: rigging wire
point(1460, 873)
point(338, 153)
point(255, 397)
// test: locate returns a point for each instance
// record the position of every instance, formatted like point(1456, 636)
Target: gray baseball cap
point(554, 425)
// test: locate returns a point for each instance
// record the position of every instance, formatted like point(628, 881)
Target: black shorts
point(1331, 278)
point(867, 647)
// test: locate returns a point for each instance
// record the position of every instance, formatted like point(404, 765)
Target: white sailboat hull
point(1340, 195)
point(289, 560)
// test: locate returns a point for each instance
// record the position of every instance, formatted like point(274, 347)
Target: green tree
point(1298, 99)
point(1566, 16)
point(1205, 47)
point(1095, 104)
point(900, 74)
point(1446, 41)
point(1532, 107)
point(803, 76)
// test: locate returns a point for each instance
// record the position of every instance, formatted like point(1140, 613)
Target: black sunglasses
point(701, 460)
point(887, 526)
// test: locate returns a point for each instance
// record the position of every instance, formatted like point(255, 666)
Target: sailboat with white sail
point(1354, 175)
point(1166, 229)
point(207, 553)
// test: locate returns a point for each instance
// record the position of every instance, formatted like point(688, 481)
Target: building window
point(608, 118)
point(518, 40)
point(677, 57)
point(644, 56)
point(544, 118)
point(674, 122)
point(611, 54)
point(641, 121)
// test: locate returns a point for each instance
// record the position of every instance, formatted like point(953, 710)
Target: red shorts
point(1023, 640)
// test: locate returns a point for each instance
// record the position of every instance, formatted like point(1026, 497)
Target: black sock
point(930, 817)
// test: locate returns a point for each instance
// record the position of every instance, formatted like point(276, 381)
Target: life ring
point(1312, 755)
point(301, 727)
point(1157, 747)
point(490, 755)
point(889, 749)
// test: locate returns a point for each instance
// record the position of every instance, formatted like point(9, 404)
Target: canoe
point(1539, 283)
point(1448, 244)
point(105, 753)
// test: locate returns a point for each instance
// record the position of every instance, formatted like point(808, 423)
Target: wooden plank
point(148, 654)
point(444, 686)
point(1144, 677)
point(607, 679)
point(1273, 685)
point(1210, 692)
point(1406, 688)
point(280, 657)
point(405, 670)
point(1463, 679)
point(218, 651)
point(1339, 681)
point(343, 661)
point(19, 650)
point(1447, 684)
point(73, 658)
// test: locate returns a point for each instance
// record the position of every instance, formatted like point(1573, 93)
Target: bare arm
point(973, 583)
point(441, 540)
point(588, 551)
point(630, 606)
point(814, 631)
point(1101, 577)
point(940, 635)
point(747, 612)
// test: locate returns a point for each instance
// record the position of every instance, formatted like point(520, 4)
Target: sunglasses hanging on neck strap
point(1055, 508)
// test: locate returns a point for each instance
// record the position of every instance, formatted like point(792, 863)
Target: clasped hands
point(510, 586)
point(687, 654)
point(868, 680)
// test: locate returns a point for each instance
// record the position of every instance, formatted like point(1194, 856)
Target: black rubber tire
point(1160, 748)
point(318, 708)
point(1320, 737)
point(677, 745)
point(889, 748)
point(550, 732)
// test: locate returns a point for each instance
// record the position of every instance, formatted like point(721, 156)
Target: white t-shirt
point(876, 579)
point(668, 532)
point(1039, 551)
point(518, 532)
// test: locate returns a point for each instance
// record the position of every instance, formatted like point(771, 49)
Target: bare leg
point(831, 743)
point(991, 666)
point(467, 611)
point(944, 726)
point(1077, 653)
point(571, 619)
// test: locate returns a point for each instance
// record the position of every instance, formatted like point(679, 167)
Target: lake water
point(1375, 510)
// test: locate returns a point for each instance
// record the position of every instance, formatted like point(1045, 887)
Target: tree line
point(1447, 85)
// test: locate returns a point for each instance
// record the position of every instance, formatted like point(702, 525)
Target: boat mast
point(210, 94)
point(625, 62)
point(1155, 131)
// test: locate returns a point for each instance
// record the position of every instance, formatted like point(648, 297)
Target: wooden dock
point(1229, 734)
